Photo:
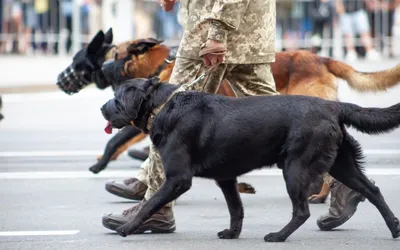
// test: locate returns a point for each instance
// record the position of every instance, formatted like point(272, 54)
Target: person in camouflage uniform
point(237, 37)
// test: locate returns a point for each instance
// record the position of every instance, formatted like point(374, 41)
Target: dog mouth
point(108, 128)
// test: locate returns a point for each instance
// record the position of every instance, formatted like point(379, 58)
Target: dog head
point(139, 58)
point(87, 61)
point(127, 106)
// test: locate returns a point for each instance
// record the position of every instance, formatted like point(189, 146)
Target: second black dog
point(212, 136)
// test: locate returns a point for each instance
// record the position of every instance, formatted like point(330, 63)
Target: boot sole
point(122, 193)
point(347, 214)
point(113, 225)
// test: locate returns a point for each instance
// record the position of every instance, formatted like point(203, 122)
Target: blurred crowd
point(365, 28)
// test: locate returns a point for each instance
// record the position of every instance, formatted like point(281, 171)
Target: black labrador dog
point(218, 137)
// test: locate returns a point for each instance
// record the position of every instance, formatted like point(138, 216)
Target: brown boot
point(139, 154)
point(162, 221)
point(131, 188)
point(344, 203)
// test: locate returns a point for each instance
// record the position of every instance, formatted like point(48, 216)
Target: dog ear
point(150, 85)
point(108, 37)
point(96, 43)
point(133, 99)
point(142, 46)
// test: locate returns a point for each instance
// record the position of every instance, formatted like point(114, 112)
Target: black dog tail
point(370, 120)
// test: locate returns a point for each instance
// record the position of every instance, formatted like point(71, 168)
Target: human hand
point(213, 52)
point(167, 5)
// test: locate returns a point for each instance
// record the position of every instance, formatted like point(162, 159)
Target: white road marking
point(125, 173)
point(49, 153)
point(38, 233)
point(91, 93)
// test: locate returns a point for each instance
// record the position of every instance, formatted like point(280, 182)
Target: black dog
point(212, 136)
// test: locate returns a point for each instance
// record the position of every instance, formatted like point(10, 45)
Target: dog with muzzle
point(221, 138)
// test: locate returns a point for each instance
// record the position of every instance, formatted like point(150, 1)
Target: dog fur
point(200, 134)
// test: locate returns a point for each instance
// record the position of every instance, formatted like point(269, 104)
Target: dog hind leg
point(347, 170)
point(235, 206)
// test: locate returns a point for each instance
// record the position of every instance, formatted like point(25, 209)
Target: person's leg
point(363, 28)
point(347, 30)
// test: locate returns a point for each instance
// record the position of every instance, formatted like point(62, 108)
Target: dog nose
point(108, 70)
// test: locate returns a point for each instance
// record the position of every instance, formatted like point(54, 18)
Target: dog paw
point(228, 234)
point(246, 188)
point(396, 231)
point(274, 237)
point(316, 199)
point(94, 170)
point(99, 157)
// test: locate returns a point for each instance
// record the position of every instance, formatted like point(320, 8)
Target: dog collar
point(155, 111)
point(171, 57)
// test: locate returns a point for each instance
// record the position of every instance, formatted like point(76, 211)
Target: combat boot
point(162, 221)
point(344, 202)
point(131, 188)
point(139, 154)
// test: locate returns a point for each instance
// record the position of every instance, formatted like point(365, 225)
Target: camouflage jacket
point(246, 26)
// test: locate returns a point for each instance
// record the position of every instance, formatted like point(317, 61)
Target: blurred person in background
point(66, 12)
point(168, 26)
point(321, 12)
point(381, 17)
point(11, 26)
point(41, 8)
point(354, 20)
point(95, 17)
point(30, 22)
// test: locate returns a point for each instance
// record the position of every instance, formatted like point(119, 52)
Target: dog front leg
point(122, 137)
point(235, 206)
point(297, 185)
point(178, 180)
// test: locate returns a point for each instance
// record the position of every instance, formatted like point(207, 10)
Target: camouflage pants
point(245, 79)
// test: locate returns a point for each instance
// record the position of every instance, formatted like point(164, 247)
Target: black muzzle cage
point(71, 81)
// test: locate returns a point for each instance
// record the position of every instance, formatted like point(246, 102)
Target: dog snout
point(103, 110)
point(108, 69)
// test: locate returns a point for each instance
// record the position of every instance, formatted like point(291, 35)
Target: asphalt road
point(50, 200)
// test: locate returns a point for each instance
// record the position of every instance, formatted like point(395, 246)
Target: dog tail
point(370, 120)
point(364, 81)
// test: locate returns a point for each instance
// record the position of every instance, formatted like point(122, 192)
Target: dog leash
point(180, 89)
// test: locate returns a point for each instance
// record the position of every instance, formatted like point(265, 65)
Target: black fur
point(218, 137)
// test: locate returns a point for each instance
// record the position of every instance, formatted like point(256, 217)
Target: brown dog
point(295, 73)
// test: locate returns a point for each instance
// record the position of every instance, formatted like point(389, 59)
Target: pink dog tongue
point(108, 128)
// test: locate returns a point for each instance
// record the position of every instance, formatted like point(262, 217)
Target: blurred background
point(62, 27)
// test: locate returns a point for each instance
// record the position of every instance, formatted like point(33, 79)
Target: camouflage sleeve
point(225, 15)
point(229, 12)
point(217, 32)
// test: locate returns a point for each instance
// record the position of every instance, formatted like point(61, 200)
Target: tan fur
point(365, 82)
